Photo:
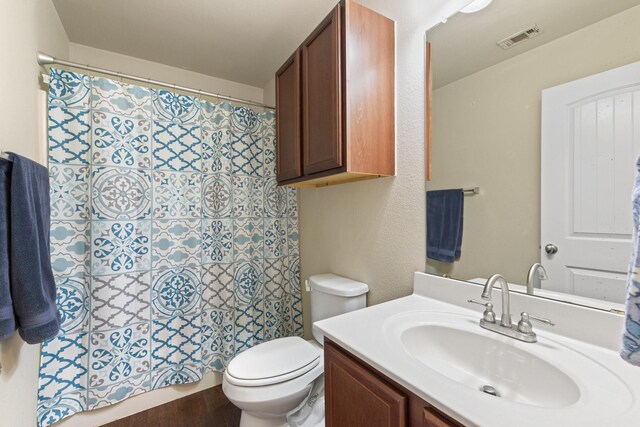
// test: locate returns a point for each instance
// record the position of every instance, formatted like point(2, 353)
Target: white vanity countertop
point(365, 333)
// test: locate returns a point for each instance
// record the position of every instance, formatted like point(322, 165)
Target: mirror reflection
point(537, 104)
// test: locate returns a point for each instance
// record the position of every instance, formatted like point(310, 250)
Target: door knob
point(551, 249)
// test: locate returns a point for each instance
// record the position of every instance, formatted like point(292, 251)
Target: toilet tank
point(332, 295)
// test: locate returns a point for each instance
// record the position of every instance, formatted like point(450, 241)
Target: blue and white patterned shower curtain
point(172, 245)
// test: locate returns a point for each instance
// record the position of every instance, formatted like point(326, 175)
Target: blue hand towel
point(33, 288)
point(7, 320)
point(631, 336)
point(445, 209)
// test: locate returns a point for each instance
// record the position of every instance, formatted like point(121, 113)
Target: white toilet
point(271, 379)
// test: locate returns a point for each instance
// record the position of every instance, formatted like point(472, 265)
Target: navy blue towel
point(33, 288)
point(7, 320)
point(445, 209)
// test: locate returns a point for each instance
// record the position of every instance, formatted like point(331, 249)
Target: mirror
point(547, 127)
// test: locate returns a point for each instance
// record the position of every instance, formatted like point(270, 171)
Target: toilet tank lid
point(337, 285)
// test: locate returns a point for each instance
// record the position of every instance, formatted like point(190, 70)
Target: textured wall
point(487, 133)
point(270, 92)
point(374, 231)
point(25, 27)
point(165, 73)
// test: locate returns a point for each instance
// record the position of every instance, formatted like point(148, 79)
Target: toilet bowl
point(266, 399)
point(271, 379)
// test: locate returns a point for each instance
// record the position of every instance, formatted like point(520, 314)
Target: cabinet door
point(321, 97)
point(288, 157)
point(356, 397)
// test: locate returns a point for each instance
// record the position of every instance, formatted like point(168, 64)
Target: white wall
point(374, 231)
point(165, 73)
point(269, 92)
point(487, 133)
point(25, 27)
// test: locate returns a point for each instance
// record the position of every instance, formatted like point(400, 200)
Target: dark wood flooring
point(208, 408)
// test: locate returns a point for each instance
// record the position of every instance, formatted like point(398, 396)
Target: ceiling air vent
point(520, 36)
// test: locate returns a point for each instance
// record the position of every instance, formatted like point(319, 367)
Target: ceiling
point(243, 40)
point(466, 43)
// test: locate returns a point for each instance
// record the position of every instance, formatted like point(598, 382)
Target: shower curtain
point(172, 245)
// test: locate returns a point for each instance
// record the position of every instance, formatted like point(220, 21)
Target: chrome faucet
point(523, 331)
point(505, 317)
point(535, 275)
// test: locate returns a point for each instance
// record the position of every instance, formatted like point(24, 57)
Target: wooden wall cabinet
point(356, 395)
point(335, 101)
point(289, 162)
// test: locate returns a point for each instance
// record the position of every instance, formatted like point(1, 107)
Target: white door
point(590, 141)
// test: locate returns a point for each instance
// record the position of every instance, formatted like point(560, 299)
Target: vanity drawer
point(357, 395)
point(433, 418)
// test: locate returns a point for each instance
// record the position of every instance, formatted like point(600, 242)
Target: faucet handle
point(488, 315)
point(540, 319)
point(524, 325)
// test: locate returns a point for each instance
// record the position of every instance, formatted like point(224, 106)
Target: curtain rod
point(44, 59)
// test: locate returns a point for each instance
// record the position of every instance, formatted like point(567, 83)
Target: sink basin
point(546, 374)
point(432, 345)
point(477, 360)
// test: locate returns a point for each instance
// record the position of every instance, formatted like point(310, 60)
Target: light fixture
point(475, 6)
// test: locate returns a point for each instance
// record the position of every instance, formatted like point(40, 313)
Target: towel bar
point(471, 190)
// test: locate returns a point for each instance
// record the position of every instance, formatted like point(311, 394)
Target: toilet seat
point(275, 399)
point(273, 362)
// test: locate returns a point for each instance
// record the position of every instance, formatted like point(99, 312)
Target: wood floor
point(208, 408)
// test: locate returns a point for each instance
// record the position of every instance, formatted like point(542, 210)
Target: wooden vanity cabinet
point(357, 395)
point(354, 396)
point(335, 108)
